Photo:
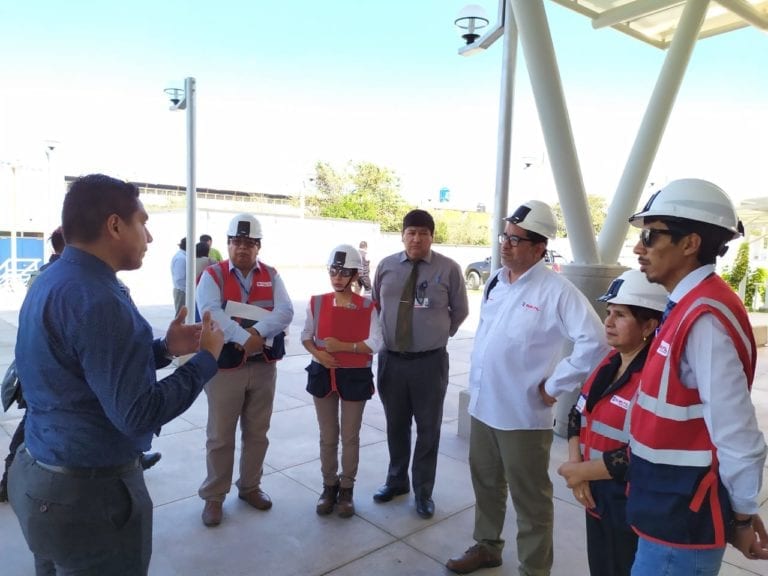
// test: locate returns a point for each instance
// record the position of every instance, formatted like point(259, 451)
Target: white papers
point(247, 311)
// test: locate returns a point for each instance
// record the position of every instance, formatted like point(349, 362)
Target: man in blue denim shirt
point(88, 359)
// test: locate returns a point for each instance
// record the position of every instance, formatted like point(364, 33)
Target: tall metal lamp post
point(184, 99)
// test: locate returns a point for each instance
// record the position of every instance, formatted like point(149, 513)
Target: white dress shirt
point(524, 329)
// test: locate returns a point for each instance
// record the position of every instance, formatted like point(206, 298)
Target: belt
point(102, 472)
point(414, 355)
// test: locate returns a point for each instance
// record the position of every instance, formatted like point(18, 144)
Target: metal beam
point(632, 11)
point(746, 12)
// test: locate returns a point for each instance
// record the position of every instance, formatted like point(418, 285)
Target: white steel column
point(190, 97)
point(651, 131)
point(539, 54)
point(504, 147)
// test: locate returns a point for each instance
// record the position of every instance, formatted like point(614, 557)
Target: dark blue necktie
point(667, 310)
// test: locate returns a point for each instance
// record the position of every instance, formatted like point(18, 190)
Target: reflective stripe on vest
point(668, 421)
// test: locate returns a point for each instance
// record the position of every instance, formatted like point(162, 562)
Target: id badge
point(581, 403)
point(421, 303)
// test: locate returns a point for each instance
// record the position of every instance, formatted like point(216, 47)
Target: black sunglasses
point(648, 236)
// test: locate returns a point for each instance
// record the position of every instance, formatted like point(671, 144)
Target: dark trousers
point(413, 389)
point(610, 548)
point(83, 526)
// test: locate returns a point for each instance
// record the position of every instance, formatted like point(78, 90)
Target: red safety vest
point(673, 458)
point(353, 380)
point(606, 427)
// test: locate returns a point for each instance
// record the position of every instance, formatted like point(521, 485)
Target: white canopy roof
point(654, 21)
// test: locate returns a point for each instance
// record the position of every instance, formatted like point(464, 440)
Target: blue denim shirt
point(86, 359)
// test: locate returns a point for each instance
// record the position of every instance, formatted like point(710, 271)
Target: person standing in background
point(342, 332)
point(244, 388)
point(423, 301)
point(213, 254)
point(179, 275)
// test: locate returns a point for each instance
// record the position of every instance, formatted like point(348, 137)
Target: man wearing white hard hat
point(697, 454)
point(249, 301)
point(528, 314)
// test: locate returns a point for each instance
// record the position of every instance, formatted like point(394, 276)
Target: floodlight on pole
point(184, 99)
point(471, 18)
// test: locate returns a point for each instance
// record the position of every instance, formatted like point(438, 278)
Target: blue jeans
point(654, 559)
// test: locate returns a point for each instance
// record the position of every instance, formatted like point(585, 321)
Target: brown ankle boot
point(345, 507)
point(327, 499)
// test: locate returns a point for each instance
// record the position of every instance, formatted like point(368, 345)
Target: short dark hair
point(57, 240)
point(183, 243)
point(205, 238)
point(92, 199)
point(202, 250)
point(713, 238)
point(420, 219)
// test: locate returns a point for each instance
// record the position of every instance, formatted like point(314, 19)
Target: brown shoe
point(327, 499)
point(212, 513)
point(478, 556)
point(258, 499)
point(345, 507)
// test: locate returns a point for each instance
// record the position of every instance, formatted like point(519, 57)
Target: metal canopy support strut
point(651, 131)
point(539, 52)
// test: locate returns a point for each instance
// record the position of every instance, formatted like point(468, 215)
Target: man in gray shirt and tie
point(422, 300)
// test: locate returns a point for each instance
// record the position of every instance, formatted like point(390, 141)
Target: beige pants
point(330, 428)
point(514, 460)
point(245, 394)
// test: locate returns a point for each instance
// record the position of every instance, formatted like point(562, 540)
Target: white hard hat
point(691, 199)
point(244, 226)
point(345, 256)
point(535, 216)
point(633, 289)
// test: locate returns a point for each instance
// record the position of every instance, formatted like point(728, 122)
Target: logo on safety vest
point(264, 284)
point(663, 348)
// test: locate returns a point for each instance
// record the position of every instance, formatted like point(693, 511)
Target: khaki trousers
point(330, 428)
point(517, 460)
point(245, 394)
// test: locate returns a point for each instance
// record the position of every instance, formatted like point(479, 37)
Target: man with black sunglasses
point(244, 387)
point(529, 314)
point(697, 454)
point(423, 301)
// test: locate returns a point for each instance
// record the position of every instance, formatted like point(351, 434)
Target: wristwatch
point(746, 523)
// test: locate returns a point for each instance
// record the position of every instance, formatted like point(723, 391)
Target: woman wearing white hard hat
point(597, 430)
point(342, 332)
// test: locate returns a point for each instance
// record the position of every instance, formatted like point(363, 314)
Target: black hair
point(183, 243)
point(713, 238)
point(420, 219)
point(202, 250)
point(642, 314)
point(205, 238)
point(92, 199)
point(57, 240)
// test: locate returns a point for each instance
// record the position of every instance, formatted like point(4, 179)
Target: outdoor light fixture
point(471, 18)
point(177, 98)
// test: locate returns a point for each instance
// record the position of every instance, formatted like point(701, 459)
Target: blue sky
point(282, 85)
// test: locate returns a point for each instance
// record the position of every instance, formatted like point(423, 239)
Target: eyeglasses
point(344, 272)
point(648, 236)
point(513, 239)
point(247, 242)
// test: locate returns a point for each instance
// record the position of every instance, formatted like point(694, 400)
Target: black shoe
point(150, 459)
point(386, 493)
point(425, 507)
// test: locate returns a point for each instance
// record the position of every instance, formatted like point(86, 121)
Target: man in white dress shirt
point(529, 313)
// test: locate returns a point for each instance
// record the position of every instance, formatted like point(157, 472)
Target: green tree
point(734, 276)
point(362, 191)
point(598, 210)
